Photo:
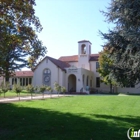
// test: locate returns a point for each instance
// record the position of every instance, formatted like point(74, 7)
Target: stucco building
point(77, 73)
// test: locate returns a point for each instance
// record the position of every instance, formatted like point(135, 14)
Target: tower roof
point(82, 41)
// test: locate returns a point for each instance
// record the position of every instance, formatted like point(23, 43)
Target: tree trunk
point(19, 96)
point(110, 88)
point(7, 75)
point(31, 95)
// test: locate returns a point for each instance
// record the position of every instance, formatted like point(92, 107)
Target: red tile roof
point(94, 57)
point(74, 58)
point(23, 74)
point(63, 61)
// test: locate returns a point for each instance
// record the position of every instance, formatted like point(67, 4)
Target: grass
point(70, 118)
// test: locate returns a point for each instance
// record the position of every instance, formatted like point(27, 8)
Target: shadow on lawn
point(40, 124)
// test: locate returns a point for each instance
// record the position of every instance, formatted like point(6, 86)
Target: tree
point(30, 89)
point(42, 89)
point(104, 69)
point(123, 41)
point(5, 87)
point(57, 88)
point(17, 88)
point(48, 88)
point(63, 89)
point(20, 45)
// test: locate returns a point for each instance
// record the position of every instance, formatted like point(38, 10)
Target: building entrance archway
point(72, 83)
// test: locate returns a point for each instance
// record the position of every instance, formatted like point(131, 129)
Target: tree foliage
point(5, 87)
point(48, 88)
point(42, 89)
point(57, 88)
point(20, 45)
point(123, 41)
point(104, 70)
point(30, 88)
point(63, 89)
point(17, 89)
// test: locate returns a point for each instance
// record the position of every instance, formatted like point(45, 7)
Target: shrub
point(42, 89)
point(35, 88)
point(48, 88)
point(63, 89)
point(57, 88)
point(17, 88)
point(30, 88)
point(5, 87)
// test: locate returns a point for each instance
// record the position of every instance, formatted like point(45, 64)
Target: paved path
point(25, 98)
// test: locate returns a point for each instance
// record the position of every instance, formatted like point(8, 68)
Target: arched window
point(47, 77)
point(83, 79)
point(83, 49)
point(87, 80)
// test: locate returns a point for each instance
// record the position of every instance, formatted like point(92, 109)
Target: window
point(97, 65)
point(21, 81)
point(15, 80)
point(83, 79)
point(83, 49)
point(87, 80)
point(130, 86)
point(90, 83)
point(47, 77)
point(97, 81)
point(12, 81)
point(30, 81)
point(26, 81)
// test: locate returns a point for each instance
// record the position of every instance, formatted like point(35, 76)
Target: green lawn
point(70, 118)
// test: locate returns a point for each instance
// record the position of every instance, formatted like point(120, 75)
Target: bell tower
point(84, 52)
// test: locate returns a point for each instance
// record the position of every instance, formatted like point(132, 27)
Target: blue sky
point(65, 22)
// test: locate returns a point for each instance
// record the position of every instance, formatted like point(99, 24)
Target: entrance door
point(72, 83)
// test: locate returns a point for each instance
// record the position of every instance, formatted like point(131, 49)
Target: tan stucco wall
point(57, 75)
point(83, 61)
point(79, 72)
point(75, 64)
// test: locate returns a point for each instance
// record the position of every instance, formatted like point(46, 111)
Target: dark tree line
point(123, 41)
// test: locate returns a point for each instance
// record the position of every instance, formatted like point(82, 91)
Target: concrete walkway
point(25, 98)
point(37, 97)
